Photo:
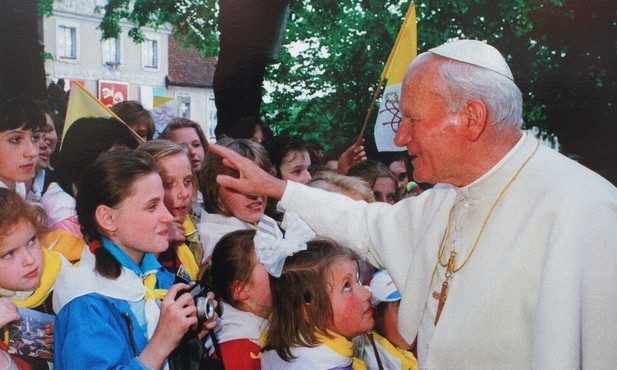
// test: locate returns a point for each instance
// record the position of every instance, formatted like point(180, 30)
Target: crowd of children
point(110, 236)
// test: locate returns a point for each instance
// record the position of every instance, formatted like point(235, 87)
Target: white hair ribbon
point(272, 252)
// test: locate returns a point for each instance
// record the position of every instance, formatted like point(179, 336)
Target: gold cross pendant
point(443, 295)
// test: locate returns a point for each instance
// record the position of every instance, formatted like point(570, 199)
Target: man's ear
point(105, 217)
point(477, 119)
point(239, 290)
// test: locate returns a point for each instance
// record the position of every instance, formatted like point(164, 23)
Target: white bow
point(272, 252)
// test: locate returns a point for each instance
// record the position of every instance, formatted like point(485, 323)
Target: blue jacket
point(97, 332)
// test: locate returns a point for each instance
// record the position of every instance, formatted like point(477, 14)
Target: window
point(67, 42)
point(184, 110)
point(151, 53)
point(212, 117)
point(111, 51)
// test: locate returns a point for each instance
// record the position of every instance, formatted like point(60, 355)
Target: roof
point(188, 68)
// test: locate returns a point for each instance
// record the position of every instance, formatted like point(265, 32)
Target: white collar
point(496, 178)
point(20, 188)
point(238, 324)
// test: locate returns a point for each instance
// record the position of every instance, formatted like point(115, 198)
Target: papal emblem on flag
point(403, 52)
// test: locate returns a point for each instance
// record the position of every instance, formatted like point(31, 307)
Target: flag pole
point(370, 109)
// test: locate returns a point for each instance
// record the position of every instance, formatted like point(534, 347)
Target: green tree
point(324, 91)
point(576, 78)
point(562, 54)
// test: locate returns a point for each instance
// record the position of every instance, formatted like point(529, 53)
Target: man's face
point(432, 134)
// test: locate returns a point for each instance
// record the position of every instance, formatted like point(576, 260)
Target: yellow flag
point(82, 103)
point(160, 100)
point(404, 50)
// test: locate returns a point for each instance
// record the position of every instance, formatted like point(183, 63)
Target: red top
point(241, 354)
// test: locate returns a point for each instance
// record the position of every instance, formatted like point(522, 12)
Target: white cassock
point(539, 291)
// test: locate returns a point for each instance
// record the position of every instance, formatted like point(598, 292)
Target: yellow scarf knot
point(150, 283)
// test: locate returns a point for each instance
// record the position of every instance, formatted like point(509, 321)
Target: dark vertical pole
point(21, 65)
point(251, 34)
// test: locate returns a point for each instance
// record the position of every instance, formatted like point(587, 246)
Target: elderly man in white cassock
point(510, 260)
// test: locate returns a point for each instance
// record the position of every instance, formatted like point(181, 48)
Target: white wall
point(89, 64)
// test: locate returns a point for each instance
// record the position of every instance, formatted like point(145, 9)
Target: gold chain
point(488, 216)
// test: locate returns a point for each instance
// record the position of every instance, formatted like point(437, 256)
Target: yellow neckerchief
point(51, 266)
point(150, 283)
point(408, 360)
point(188, 261)
point(342, 346)
point(192, 239)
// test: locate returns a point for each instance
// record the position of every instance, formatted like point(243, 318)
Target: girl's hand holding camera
point(177, 317)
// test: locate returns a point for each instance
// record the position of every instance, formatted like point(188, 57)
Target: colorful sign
point(112, 92)
point(165, 109)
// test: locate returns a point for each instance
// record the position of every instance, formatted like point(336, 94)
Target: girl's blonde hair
point(213, 166)
point(162, 148)
point(336, 183)
point(301, 302)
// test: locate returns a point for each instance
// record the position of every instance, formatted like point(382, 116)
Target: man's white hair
point(463, 82)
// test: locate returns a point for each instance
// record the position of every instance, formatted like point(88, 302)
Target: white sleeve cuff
point(287, 195)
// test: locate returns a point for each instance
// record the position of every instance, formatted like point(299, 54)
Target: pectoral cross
point(443, 295)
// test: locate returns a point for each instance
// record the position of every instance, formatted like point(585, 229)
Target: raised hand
point(176, 232)
point(355, 154)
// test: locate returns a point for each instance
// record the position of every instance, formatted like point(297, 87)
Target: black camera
point(190, 352)
point(203, 303)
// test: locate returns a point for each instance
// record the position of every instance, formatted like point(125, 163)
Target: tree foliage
point(324, 91)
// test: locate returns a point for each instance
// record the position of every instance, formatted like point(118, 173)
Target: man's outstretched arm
point(253, 180)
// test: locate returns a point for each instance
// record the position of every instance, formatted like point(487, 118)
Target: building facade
point(117, 69)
